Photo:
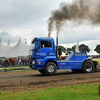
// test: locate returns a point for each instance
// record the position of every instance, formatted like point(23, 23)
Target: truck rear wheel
point(88, 67)
point(50, 68)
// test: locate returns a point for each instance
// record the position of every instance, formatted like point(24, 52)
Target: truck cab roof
point(42, 38)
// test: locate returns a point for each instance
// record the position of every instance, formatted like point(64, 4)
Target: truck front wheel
point(88, 67)
point(50, 68)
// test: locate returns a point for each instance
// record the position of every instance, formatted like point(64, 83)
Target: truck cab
point(42, 49)
point(43, 58)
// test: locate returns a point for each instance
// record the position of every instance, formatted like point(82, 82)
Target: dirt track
point(30, 80)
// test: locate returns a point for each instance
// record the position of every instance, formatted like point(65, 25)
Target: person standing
point(19, 61)
point(10, 63)
point(14, 61)
point(22, 63)
point(6, 62)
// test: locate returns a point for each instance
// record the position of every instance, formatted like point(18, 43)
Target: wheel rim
point(51, 68)
point(88, 67)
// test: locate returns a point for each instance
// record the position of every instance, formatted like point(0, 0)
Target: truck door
point(44, 48)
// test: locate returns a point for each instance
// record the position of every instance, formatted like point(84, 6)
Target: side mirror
point(37, 48)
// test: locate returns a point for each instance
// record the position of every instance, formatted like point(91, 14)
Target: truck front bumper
point(37, 64)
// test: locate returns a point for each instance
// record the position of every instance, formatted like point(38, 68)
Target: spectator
point(14, 61)
point(10, 62)
point(20, 61)
point(24, 62)
point(6, 62)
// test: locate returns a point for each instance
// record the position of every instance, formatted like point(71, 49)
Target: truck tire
point(88, 67)
point(42, 71)
point(50, 68)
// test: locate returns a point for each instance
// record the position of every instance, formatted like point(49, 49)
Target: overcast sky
point(27, 19)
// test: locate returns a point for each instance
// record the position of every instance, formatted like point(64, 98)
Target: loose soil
point(30, 80)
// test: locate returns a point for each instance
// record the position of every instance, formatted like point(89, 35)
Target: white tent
point(92, 52)
point(19, 50)
point(4, 48)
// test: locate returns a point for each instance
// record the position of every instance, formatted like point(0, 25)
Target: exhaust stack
point(57, 47)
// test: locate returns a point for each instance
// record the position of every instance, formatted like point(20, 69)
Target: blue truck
point(43, 58)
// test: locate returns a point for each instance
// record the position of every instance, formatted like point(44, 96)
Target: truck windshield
point(33, 45)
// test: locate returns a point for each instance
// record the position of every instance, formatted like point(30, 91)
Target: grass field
point(71, 92)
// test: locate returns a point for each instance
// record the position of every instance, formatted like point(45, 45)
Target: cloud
point(90, 43)
point(6, 36)
point(28, 19)
point(82, 33)
point(15, 13)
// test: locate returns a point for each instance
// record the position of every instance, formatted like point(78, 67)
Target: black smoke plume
point(77, 11)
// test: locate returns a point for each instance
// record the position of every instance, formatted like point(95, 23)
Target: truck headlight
point(33, 62)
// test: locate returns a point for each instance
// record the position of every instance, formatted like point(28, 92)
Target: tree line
point(82, 48)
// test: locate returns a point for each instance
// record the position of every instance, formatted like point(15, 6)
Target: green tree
point(73, 48)
point(97, 49)
point(69, 50)
point(84, 48)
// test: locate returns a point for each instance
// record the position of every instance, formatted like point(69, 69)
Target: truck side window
point(45, 44)
point(49, 43)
